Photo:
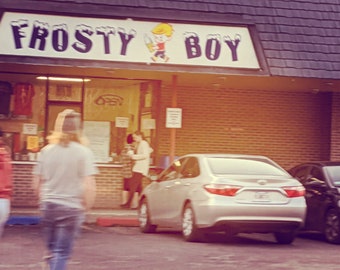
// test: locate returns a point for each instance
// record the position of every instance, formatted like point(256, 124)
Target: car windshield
point(244, 166)
point(333, 174)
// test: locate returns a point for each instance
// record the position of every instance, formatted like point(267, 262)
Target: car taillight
point(294, 191)
point(222, 189)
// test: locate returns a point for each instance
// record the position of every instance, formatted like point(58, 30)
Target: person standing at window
point(140, 167)
point(125, 157)
point(5, 183)
point(64, 180)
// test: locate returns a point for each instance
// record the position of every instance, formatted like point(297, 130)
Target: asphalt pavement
point(126, 248)
point(22, 247)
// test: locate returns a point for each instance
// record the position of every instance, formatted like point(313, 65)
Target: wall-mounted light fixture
point(63, 79)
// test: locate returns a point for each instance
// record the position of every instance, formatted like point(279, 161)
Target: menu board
point(98, 134)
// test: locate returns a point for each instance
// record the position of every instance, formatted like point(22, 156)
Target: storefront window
point(109, 104)
point(24, 121)
point(111, 110)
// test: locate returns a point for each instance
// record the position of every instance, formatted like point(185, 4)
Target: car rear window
point(244, 166)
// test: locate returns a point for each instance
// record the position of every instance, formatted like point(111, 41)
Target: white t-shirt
point(63, 170)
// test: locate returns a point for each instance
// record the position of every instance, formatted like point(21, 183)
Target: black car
point(322, 183)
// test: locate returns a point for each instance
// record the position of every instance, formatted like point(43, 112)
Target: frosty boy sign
point(126, 41)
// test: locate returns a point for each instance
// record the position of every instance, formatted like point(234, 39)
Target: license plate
point(261, 196)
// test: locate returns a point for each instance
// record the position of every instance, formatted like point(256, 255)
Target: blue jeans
point(61, 225)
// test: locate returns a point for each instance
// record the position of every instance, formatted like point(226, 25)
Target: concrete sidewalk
point(100, 217)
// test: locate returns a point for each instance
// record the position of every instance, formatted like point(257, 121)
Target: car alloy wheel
point(144, 218)
point(189, 230)
point(332, 227)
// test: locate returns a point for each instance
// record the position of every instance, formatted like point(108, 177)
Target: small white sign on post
point(30, 129)
point(173, 117)
point(148, 124)
point(122, 122)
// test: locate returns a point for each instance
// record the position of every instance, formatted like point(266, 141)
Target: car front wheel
point(332, 227)
point(145, 224)
point(189, 230)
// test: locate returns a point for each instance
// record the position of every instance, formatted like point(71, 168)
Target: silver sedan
point(201, 193)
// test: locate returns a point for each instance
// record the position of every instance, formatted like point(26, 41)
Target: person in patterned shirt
point(125, 157)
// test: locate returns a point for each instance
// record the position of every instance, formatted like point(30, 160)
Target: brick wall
point(335, 140)
point(109, 187)
point(289, 127)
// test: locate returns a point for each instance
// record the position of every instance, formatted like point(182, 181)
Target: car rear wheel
point(145, 224)
point(332, 227)
point(189, 229)
point(285, 238)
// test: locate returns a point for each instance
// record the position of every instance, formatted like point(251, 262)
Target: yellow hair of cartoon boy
point(163, 29)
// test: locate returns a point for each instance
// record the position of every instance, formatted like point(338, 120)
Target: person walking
point(64, 179)
point(141, 166)
point(5, 183)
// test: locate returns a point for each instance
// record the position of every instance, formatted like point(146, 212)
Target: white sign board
point(173, 117)
point(148, 124)
point(30, 129)
point(165, 43)
point(98, 134)
point(122, 122)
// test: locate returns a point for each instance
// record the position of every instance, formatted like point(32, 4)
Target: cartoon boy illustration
point(161, 34)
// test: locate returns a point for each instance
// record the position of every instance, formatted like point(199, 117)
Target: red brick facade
point(109, 187)
point(335, 140)
point(289, 127)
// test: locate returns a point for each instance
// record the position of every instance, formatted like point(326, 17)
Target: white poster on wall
point(148, 124)
point(30, 129)
point(98, 134)
point(173, 117)
point(122, 122)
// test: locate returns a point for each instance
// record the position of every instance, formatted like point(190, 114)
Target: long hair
point(65, 138)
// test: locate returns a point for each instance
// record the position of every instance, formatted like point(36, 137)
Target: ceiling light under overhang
point(63, 79)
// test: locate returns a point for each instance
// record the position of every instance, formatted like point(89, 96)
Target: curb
point(103, 218)
point(100, 221)
point(117, 221)
point(23, 220)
